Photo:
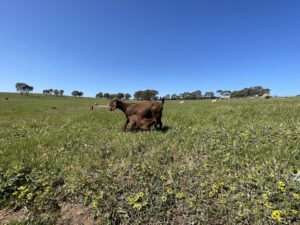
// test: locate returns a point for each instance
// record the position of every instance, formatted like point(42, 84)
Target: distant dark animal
point(92, 107)
point(136, 121)
point(145, 110)
point(6, 98)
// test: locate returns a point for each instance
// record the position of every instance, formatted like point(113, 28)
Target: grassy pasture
point(228, 162)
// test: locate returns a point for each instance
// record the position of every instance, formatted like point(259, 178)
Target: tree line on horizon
point(56, 92)
point(150, 94)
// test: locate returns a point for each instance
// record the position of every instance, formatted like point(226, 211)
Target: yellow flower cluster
point(24, 191)
point(136, 198)
point(264, 196)
point(296, 196)
point(277, 215)
point(180, 195)
point(281, 186)
point(137, 206)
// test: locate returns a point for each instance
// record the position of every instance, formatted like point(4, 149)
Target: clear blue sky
point(168, 45)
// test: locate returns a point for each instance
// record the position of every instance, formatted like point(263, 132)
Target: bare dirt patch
point(8, 216)
point(73, 214)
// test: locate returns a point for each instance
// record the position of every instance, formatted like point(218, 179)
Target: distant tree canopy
point(61, 92)
point(127, 96)
point(250, 92)
point(190, 95)
point(24, 88)
point(77, 93)
point(46, 92)
point(99, 95)
point(146, 95)
point(55, 92)
point(119, 95)
point(209, 94)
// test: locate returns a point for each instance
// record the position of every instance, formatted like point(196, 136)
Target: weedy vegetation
point(227, 162)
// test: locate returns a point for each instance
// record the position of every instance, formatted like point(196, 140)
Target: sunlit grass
point(226, 162)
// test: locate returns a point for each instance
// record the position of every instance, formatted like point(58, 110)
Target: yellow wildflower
point(296, 196)
point(140, 195)
point(222, 201)
point(94, 204)
point(277, 215)
point(264, 196)
point(215, 188)
point(29, 196)
point(211, 194)
point(163, 198)
point(268, 205)
point(241, 214)
point(170, 191)
point(281, 184)
point(137, 206)
point(282, 189)
point(254, 212)
point(100, 196)
point(131, 201)
point(22, 188)
point(162, 178)
point(259, 201)
point(180, 195)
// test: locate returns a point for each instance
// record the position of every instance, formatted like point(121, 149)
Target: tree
point(61, 92)
point(106, 95)
point(127, 96)
point(209, 95)
point(146, 95)
point(174, 96)
point(196, 94)
point(46, 92)
point(138, 95)
point(99, 95)
point(77, 93)
point(219, 92)
point(56, 92)
point(120, 95)
point(23, 88)
point(250, 92)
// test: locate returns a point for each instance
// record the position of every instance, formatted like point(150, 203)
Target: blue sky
point(168, 45)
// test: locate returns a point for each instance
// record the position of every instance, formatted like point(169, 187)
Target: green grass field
point(228, 162)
